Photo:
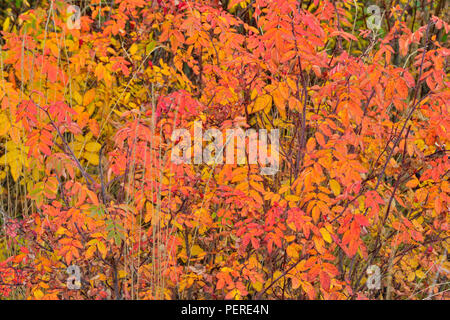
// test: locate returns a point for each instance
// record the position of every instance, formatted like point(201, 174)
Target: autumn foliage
point(87, 115)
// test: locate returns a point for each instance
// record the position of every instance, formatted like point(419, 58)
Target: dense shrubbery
point(86, 122)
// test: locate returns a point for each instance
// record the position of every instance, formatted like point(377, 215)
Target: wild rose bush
point(87, 116)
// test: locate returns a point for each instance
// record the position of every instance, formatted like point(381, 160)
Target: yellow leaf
point(77, 97)
point(101, 277)
point(412, 183)
point(90, 252)
point(38, 294)
point(6, 24)
point(196, 250)
point(102, 249)
point(291, 197)
point(291, 251)
point(257, 186)
point(88, 97)
point(92, 158)
point(60, 231)
point(335, 187)
point(93, 146)
point(133, 49)
point(54, 48)
point(280, 102)
point(256, 196)
point(420, 274)
point(326, 235)
point(290, 238)
point(4, 124)
point(15, 168)
point(291, 83)
point(15, 134)
point(257, 285)
point(261, 103)
point(100, 71)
